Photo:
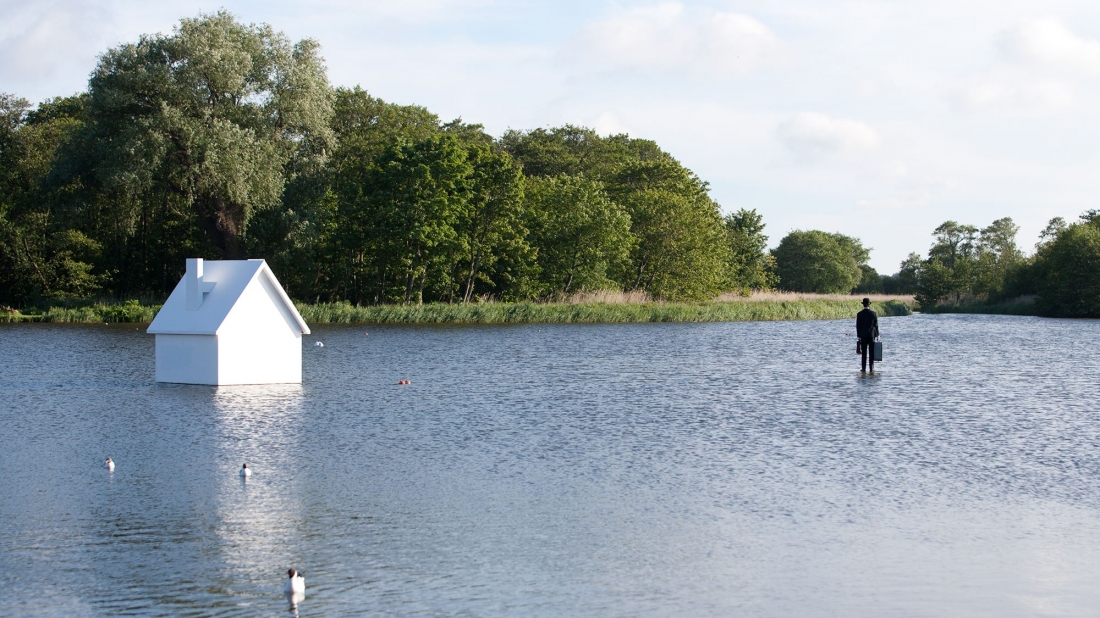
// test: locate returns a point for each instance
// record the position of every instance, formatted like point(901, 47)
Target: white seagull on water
point(245, 472)
point(110, 465)
point(295, 587)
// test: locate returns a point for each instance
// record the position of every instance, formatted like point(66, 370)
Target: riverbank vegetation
point(981, 270)
point(595, 307)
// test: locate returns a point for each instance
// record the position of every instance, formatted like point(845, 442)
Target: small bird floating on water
point(245, 472)
point(319, 344)
point(110, 465)
point(295, 583)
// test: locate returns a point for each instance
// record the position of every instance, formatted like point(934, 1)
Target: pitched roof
point(230, 278)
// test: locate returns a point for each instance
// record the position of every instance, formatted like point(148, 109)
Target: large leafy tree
point(937, 281)
point(815, 261)
point(581, 236)
point(1067, 270)
point(750, 266)
point(495, 254)
point(680, 250)
point(44, 253)
point(304, 238)
point(997, 256)
point(212, 119)
point(956, 249)
point(398, 217)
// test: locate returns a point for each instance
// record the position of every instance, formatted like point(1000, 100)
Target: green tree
point(997, 256)
point(212, 119)
point(979, 262)
point(495, 254)
point(906, 280)
point(1054, 227)
point(680, 250)
point(750, 265)
point(870, 282)
point(582, 237)
point(302, 238)
point(1068, 271)
point(957, 249)
point(815, 261)
point(44, 256)
point(568, 150)
point(937, 282)
point(954, 244)
point(397, 220)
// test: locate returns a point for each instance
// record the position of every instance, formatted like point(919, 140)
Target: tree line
point(226, 140)
point(967, 264)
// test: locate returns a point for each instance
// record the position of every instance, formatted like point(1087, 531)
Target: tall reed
point(130, 311)
point(593, 312)
point(612, 309)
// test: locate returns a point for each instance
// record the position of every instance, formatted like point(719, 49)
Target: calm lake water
point(741, 469)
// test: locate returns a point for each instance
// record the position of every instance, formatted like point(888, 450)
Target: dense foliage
point(1065, 272)
point(814, 261)
point(225, 140)
point(972, 269)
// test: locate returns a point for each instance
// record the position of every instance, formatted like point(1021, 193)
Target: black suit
point(866, 330)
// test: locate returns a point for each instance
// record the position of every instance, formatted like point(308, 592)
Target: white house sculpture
point(228, 322)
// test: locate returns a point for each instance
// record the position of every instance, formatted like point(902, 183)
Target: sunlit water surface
point(562, 470)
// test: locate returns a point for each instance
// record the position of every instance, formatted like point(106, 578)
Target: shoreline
point(744, 310)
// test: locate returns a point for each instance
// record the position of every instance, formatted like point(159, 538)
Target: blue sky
point(880, 120)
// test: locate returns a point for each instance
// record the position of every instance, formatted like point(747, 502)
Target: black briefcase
point(878, 351)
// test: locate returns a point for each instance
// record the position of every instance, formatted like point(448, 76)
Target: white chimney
point(196, 287)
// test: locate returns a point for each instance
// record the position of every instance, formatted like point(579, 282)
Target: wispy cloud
point(1015, 93)
point(1040, 63)
point(810, 136)
point(410, 11)
point(674, 39)
point(36, 44)
point(1049, 43)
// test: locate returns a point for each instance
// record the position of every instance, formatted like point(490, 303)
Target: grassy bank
point(583, 311)
point(130, 311)
point(511, 313)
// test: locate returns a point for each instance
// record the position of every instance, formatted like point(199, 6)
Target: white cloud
point(1048, 42)
point(1022, 94)
point(894, 169)
point(810, 136)
point(1041, 68)
point(671, 38)
point(412, 11)
point(39, 46)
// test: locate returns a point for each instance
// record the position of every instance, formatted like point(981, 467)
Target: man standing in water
point(866, 331)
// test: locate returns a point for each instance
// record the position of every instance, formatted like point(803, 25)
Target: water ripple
point(563, 470)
